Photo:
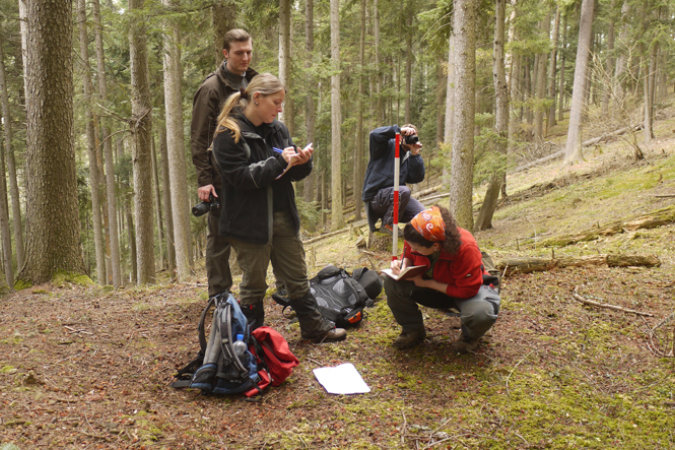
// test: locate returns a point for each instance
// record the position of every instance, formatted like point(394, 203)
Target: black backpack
point(340, 297)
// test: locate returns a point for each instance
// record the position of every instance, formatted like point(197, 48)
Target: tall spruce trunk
point(461, 182)
point(141, 123)
point(111, 203)
point(166, 200)
point(309, 184)
point(573, 145)
point(551, 94)
point(448, 128)
point(223, 18)
point(52, 216)
point(176, 148)
point(92, 140)
point(484, 220)
point(540, 85)
point(5, 232)
point(337, 217)
point(359, 148)
point(284, 57)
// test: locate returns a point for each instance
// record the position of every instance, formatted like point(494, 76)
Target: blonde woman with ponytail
point(258, 163)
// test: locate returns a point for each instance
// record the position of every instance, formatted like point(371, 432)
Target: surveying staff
point(378, 185)
point(454, 279)
point(258, 162)
point(233, 74)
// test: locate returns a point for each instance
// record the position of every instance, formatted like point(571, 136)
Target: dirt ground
point(87, 367)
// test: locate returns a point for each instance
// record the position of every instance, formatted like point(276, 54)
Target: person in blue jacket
point(378, 186)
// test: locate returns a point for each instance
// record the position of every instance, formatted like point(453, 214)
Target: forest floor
point(86, 367)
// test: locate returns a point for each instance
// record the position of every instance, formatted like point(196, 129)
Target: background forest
point(548, 129)
point(126, 73)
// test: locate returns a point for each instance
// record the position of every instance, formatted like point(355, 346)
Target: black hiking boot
point(409, 339)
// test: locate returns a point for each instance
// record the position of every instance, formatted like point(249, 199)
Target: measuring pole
point(394, 227)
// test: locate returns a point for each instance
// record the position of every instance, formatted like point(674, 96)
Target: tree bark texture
point(573, 145)
point(111, 203)
point(52, 216)
point(337, 218)
point(285, 53)
point(309, 183)
point(484, 220)
point(141, 123)
point(223, 18)
point(166, 200)
point(176, 148)
point(461, 181)
point(540, 84)
point(551, 94)
point(92, 141)
point(5, 232)
point(359, 148)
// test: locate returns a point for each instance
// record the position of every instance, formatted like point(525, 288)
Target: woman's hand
point(395, 266)
point(297, 157)
point(420, 282)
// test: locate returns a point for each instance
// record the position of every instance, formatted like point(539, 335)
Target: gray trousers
point(217, 258)
point(287, 256)
point(477, 313)
point(382, 205)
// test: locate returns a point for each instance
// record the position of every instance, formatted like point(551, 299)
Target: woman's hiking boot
point(462, 345)
point(409, 339)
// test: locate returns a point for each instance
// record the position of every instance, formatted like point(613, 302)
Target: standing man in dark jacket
point(378, 186)
point(231, 76)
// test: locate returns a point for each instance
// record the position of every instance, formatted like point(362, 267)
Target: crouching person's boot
point(312, 324)
point(255, 314)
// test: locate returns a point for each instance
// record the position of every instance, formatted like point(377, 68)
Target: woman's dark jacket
point(249, 169)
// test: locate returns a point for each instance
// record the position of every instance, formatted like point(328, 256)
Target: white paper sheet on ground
point(342, 379)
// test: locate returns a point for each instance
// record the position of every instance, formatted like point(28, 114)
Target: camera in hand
point(202, 208)
point(412, 139)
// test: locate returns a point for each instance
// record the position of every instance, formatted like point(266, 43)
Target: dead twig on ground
point(654, 347)
point(586, 301)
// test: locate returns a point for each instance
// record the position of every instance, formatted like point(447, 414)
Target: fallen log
point(528, 265)
point(653, 219)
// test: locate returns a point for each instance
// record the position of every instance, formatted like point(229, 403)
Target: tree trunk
point(359, 148)
point(551, 94)
point(157, 198)
point(141, 111)
point(337, 218)
point(461, 182)
point(561, 81)
point(608, 68)
point(379, 103)
point(573, 146)
point(166, 200)
point(649, 82)
point(408, 62)
point(623, 45)
point(52, 216)
point(92, 140)
point(285, 54)
point(5, 232)
point(113, 228)
point(223, 19)
point(540, 85)
point(489, 206)
point(449, 107)
point(310, 183)
point(176, 149)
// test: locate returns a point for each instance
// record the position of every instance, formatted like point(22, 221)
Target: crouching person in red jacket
point(454, 278)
